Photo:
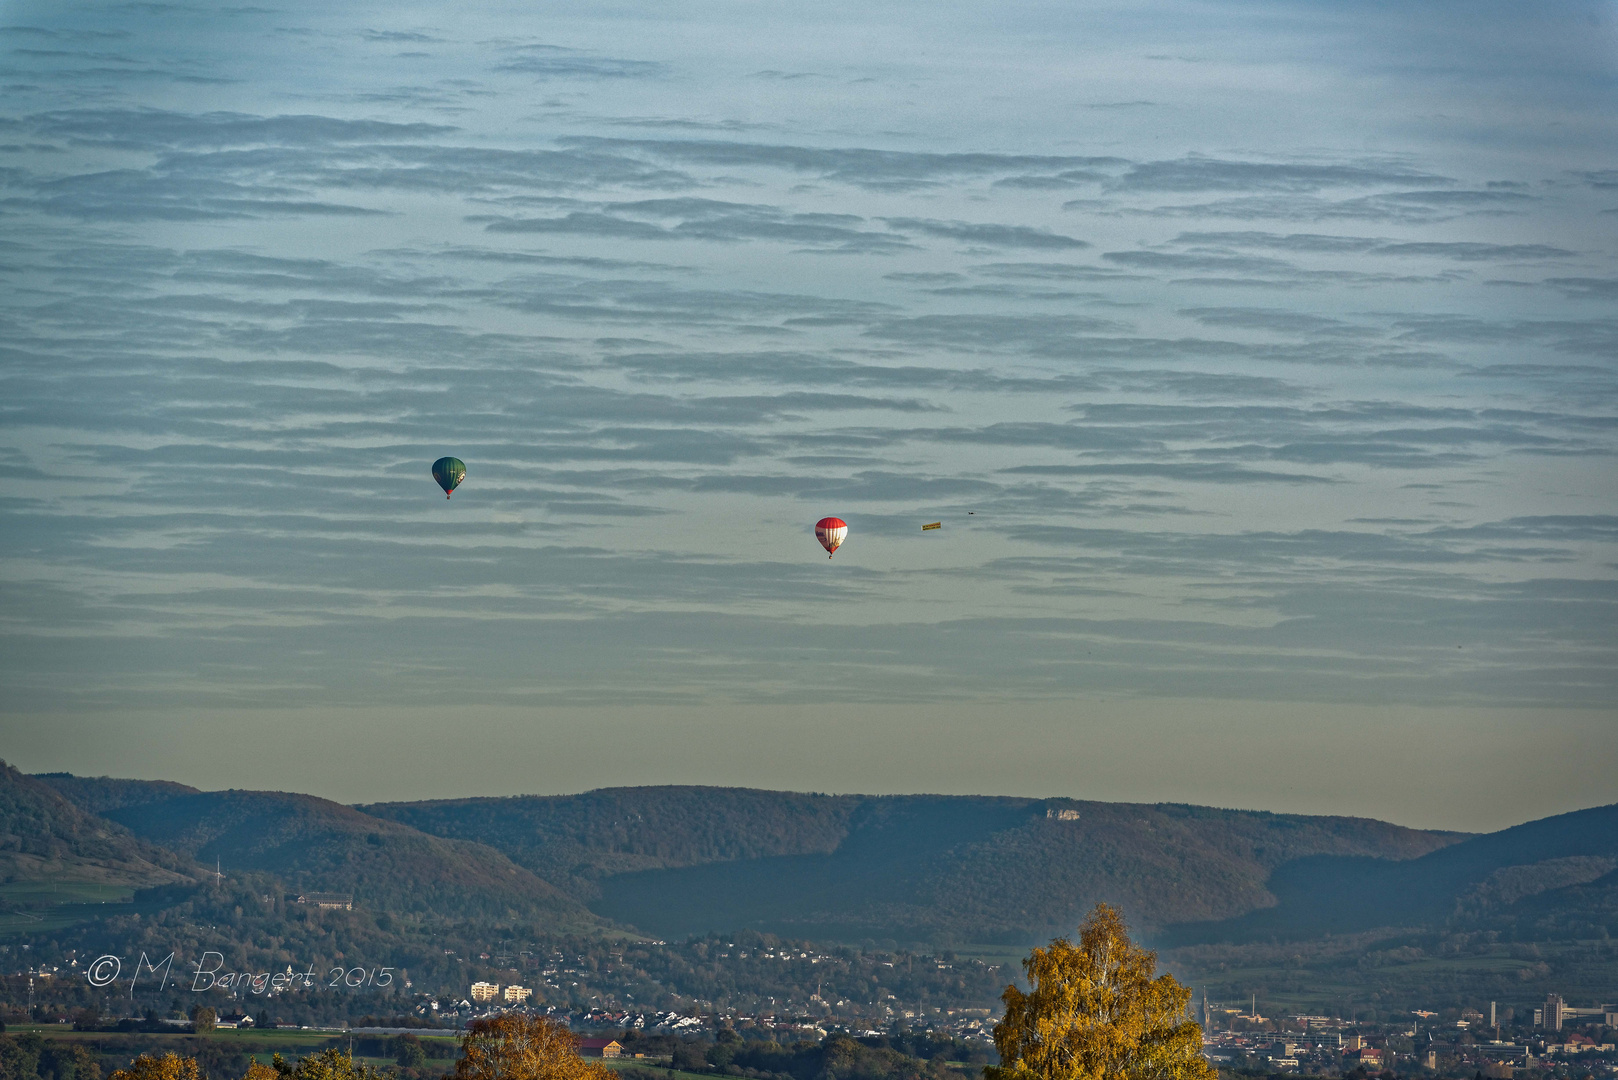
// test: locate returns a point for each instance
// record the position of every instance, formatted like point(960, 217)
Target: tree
point(168, 1067)
point(333, 1064)
point(67, 1061)
point(517, 1047)
point(408, 1052)
point(203, 1019)
point(1094, 1012)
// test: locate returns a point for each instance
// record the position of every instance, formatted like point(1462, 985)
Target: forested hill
point(679, 860)
point(313, 844)
point(99, 794)
point(45, 837)
point(577, 840)
point(1555, 877)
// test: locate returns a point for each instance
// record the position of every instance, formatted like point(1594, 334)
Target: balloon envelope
point(449, 472)
point(830, 532)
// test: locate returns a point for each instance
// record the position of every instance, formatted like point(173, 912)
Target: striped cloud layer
point(1244, 350)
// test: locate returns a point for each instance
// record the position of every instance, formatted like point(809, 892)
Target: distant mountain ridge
point(99, 794)
point(314, 844)
point(682, 860)
point(44, 836)
point(676, 860)
point(1574, 854)
point(576, 840)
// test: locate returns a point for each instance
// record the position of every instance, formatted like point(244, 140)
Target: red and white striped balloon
point(830, 532)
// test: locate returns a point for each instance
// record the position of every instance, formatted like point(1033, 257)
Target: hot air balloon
point(449, 472)
point(831, 533)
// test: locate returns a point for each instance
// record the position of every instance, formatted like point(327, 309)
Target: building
point(1062, 815)
point(1557, 1012)
point(517, 994)
point(1369, 1056)
point(484, 991)
point(602, 1048)
point(329, 901)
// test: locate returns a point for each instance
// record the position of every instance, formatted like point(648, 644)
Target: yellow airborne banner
point(934, 525)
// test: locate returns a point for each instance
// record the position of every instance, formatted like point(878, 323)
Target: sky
point(1259, 359)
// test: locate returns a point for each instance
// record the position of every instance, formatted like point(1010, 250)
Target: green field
point(661, 1067)
point(30, 907)
point(30, 894)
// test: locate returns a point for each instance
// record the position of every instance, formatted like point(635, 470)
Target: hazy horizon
point(1259, 358)
point(1130, 754)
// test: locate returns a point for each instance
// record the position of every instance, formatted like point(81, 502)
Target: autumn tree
point(1094, 1012)
point(513, 1046)
point(203, 1019)
point(332, 1064)
point(167, 1067)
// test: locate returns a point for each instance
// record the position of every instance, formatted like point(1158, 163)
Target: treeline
point(751, 1051)
point(918, 1057)
point(31, 1056)
point(902, 1056)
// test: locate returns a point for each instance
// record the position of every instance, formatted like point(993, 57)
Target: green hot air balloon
point(449, 472)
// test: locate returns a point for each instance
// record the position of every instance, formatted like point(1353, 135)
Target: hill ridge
point(45, 835)
point(675, 859)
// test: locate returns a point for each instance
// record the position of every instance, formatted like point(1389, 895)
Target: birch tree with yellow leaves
point(1094, 1012)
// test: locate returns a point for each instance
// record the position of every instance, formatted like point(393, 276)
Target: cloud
point(1277, 320)
point(149, 128)
point(707, 219)
point(128, 195)
point(1195, 174)
point(636, 292)
point(1054, 272)
point(1017, 236)
point(1044, 334)
point(1588, 337)
point(1398, 207)
point(392, 36)
point(1475, 252)
point(1177, 262)
point(861, 167)
point(1318, 244)
point(1585, 288)
point(551, 62)
point(1192, 472)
